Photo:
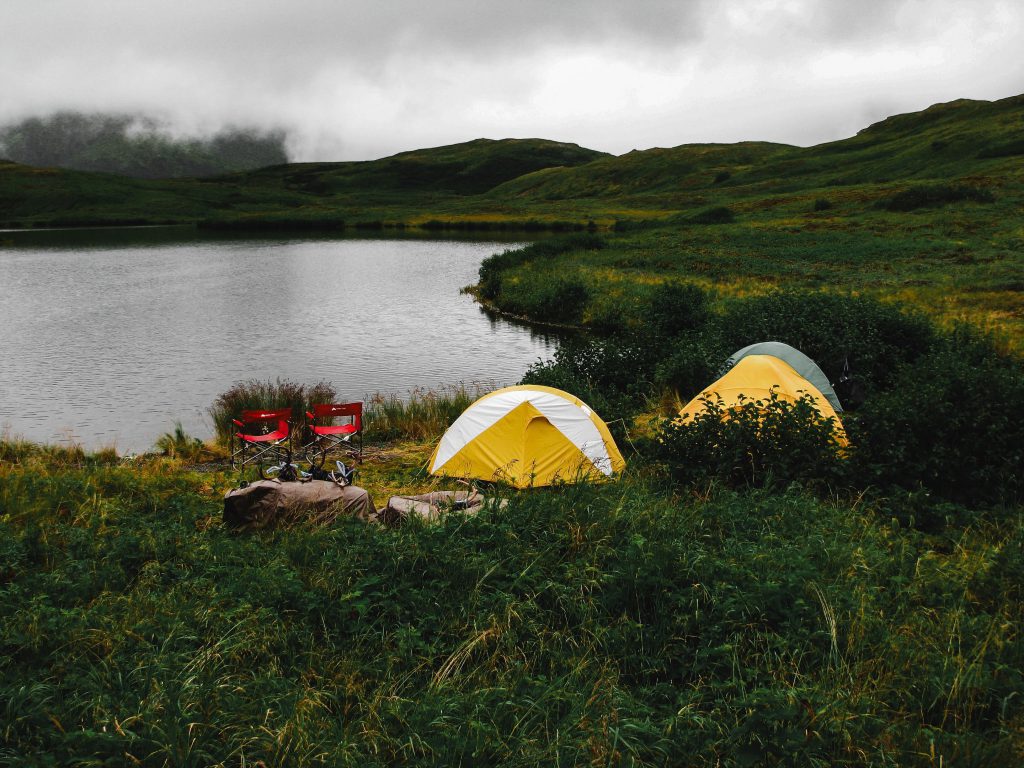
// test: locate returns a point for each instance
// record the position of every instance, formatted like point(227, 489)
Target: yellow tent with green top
point(754, 378)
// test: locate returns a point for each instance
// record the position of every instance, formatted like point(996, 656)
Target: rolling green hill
point(461, 169)
point(396, 188)
point(959, 139)
point(975, 143)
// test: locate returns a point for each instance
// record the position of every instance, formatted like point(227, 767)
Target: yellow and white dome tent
point(527, 436)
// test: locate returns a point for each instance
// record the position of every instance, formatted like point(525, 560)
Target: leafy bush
point(546, 297)
point(266, 395)
point(759, 443)
point(674, 308)
point(933, 196)
point(689, 366)
point(950, 424)
point(821, 204)
point(717, 215)
point(561, 300)
point(654, 316)
point(875, 338)
point(1009, 149)
point(611, 376)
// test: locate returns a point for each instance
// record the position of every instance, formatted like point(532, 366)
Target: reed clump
point(424, 413)
point(266, 395)
point(178, 444)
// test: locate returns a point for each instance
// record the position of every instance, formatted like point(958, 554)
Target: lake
point(109, 337)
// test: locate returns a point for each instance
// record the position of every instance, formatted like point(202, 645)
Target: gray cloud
point(360, 79)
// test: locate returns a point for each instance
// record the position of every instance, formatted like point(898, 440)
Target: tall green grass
point(423, 414)
point(619, 624)
point(179, 444)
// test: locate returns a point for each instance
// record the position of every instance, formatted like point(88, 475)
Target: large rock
point(266, 503)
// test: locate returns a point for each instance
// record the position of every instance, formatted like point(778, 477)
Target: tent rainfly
point(754, 378)
point(797, 360)
point(527, 436)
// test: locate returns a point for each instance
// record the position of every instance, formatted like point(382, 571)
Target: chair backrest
point(282, 416)
point(331, 410)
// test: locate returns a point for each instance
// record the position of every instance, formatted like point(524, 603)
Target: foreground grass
point(618, 624)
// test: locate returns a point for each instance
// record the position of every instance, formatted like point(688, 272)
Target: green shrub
point(821, 204)
point(654, 315)
point(875, 338)
point(611, 376)
point(547, 298)
point(761, 443)
point(717, 215)
point(266, 395)
point(692, 364)
point(674, 308)
point(934, 196)
point(1009, 149)
point(561, 301)
point(949, 425)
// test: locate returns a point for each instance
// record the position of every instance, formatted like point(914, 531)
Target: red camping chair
point(260, 441)
point(330, 435)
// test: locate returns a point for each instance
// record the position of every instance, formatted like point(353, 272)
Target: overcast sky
point(355, 79)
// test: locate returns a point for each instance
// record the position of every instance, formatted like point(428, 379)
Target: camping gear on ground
point(264, 439)
point(341, 473)
point(328, 434)
point(430, 506)
point(267, 503)
point(754, 378)
point(527, 436)
point(796, 359)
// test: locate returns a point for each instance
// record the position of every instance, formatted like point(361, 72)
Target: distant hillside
point(645, 172)
point(134, 146)
point(960, 151)
point(945, 140)
point(469, 168)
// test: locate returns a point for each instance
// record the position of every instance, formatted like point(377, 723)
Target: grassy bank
point(621, 624)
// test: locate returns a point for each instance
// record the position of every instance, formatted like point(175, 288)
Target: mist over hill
point(136, 145)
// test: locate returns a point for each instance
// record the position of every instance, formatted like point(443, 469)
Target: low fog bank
point(137, 145)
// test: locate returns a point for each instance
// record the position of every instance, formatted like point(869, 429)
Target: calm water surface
point(108, 338)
